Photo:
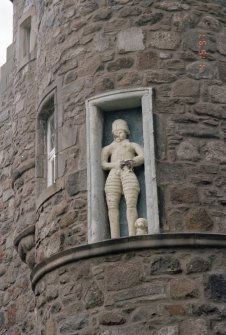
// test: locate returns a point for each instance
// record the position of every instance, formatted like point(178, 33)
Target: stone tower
point(73, 68)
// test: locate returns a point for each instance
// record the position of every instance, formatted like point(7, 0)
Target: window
point(25, 39)
point(51, 150)
point(46, 144)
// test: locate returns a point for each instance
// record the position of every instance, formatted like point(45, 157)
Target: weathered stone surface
point(172, 5)
point(205, 309)
point(2, 319)
point(150, 292)
point(206, 108)
point(198, 130)
point(89, 66)
point(192, 39)
point(70, 77)
point(74, 323)
point(180, 195)
point(220, 328)
point(121, 63)
point(210, 22)
point(104, 84)
point(164, 40)
point(4, 116)
point(130, 40)
point(150, 18)
point(183, 288)
point(215, 151)
point(215, 287)
point(122, 276)
point(160, 76)
point(50, 327)
point(175, 310)
point(196, 327)
point(93, 296)
point(202, 69)
point(221, 43)
point(67, 137)
point(142, 313)
point(185, 88)
point(87, 7)
point(76, 182)
point(218, 94)
point(147, 60)
point(222, 70)
point(111, 318)
point(101, 42)
point(168, 173)
point(165, 264)
point(184, 20)
point(170, 330)
point(198, 220)
point(131, 330)
point(198, 264)
point(188, 151)
point(103, 14)
point(129, 11)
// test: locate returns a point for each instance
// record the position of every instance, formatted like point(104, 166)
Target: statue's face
point(119, 135)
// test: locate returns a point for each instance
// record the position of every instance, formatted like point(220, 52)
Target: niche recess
point(126, 104)
point(47, 110)
point(26, 39)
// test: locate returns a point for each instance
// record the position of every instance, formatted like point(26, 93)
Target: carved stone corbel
point(25, 246)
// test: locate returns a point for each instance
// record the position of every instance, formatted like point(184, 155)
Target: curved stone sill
point(49, 192)
point(30, 230)
point(182, 240)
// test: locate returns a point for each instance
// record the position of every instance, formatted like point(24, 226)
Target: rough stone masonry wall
point(17, 202)
point(158, 292)
point(96, 46)
point(87, 47)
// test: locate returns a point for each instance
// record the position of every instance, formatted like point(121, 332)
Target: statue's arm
point(105, 154)
point(139, 159)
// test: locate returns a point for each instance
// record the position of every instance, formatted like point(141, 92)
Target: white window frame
point(51, 153)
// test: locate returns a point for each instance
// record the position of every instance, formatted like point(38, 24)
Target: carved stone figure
point(141, 226)
point(121, 157)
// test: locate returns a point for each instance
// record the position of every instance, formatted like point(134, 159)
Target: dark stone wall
point(98, 46)
point(88, 47)
point(164, 291)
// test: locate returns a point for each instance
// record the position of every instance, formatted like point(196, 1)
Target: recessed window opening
point(46, 148)
point(51, 150)
point(25, 38)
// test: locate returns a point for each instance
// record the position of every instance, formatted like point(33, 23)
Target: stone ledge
point(25, 246)
point(125, 244)
point(49, 192)
point(30, 230)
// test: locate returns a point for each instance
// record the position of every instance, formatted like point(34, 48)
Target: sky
point(6, 27)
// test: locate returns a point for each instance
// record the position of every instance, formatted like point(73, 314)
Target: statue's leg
point(113, 190)
point(131, 191)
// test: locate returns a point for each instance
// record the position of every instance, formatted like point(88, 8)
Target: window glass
point(51, 150)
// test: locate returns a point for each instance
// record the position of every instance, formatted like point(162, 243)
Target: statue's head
point(141, 226)
point(120, 129)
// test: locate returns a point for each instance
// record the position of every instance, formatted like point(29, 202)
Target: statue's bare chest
point(122, 151)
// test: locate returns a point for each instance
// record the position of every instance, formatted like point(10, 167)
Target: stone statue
point(141, 226)
point(120, 157)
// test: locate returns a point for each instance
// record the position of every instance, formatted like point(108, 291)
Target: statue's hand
point(129, 163)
